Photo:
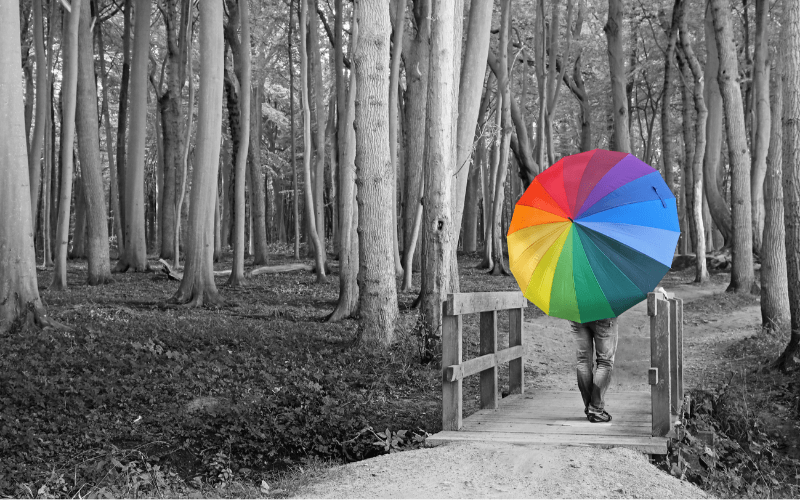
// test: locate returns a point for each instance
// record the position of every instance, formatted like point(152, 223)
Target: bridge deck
point(557, 418)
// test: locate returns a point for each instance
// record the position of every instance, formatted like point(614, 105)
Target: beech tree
point(197, 287)
point(19, 294)
point(616, 63)
point(742, 274)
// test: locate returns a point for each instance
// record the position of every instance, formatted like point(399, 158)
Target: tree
point(761, 122)
point(319, 249)
point(135, 256)
point(69, 90)
point(790, 63)
point(696, 206)
point(19, 294)
point(89, 152)
point(198, 287)
point(242, 61)
point(742, 274)
point(378, 294)
point(667, 137)
point(42, 102)
point(439, 160)
point(122, 121)
point(775, 312)
point(616, 62)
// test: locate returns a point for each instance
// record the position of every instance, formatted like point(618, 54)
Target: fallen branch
point(176, 275)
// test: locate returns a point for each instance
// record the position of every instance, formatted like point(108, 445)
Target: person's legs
point(584, 353)
point(605, 346)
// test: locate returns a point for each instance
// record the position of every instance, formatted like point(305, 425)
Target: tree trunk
point(774, 285)
point(761, 123)
point(667, 135)
point(439, 160)
point(122, 122)
point(315, 80)
point(417, 66)
point(347, 306)
point(394, 79)
point(69, 85)
point(696, 206)
point(19, 294)
point(720, 210)
point(78, 250)
point(470, 89)
point(293, 153)
point(497, 265)
point(491, 180)
point(258, 196)
point(135, 256)
point(790, 63)
point(378, 308)
point(242, 63)
point(37, 141)
point(742, 275)
point(198, 286)
point(616, 62)
point(89, 150)
point(319, 249)
point(180, 196)
point(689, 137)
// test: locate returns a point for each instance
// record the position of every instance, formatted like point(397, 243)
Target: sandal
point(601, 417)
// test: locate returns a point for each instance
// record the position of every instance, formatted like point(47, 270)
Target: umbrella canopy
point(592, 235)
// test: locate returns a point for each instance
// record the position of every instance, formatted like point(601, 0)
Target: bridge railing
point(666, 359)
point(454, 369)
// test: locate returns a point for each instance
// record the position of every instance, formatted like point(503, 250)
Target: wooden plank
point(549, 418)
point(659, 358)
point(451, 390)
point(516, 367)
point(477, 365)
point(489, 393)
point(644, 444)
point(676, 353)
point(466, 303)
point(605, 429)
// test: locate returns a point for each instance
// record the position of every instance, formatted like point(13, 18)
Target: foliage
point(141, 398)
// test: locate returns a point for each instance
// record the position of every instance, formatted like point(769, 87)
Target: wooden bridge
point(642, 420)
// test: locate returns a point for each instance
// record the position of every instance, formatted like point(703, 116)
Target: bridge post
point(658, 308)
point(676, 353)
point(489, 393)
point(516, 367)
point(451, 355)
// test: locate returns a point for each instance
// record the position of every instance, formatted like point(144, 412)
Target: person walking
point(597, 340)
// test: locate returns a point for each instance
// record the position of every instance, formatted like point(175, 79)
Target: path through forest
point(474, 470)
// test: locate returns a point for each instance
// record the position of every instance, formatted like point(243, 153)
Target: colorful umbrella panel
point(592, 235)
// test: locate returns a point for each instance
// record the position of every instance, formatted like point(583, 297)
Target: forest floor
point(263, 398)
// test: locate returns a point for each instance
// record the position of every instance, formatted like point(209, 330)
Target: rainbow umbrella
point(592, 235)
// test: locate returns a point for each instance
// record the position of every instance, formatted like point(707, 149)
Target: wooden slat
point(604, 429)
point(550, 417)
point(466, 303)
point(489, 393)
point(451, 390)
point(645, 444)
point(516, 367)
point(676, 353)
point(660, 359)
point(476, 365)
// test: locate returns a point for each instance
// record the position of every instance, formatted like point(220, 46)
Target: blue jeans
point(603, 333)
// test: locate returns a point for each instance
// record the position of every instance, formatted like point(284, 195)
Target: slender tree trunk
point(394, 79)
point(701, 273)
point(69, 85)
point(319, 249)
point(491, 181)
point(293, 155)
point(89, 150)
point(198, 287)
point(37, 141)
point(349, 258)
point(439, 160)
point(742, 274)
point(378, 308)
point(122, 122)
point(19, 294)
point(244, 76)
point(78, 250)
point(176, 238)
point(315, 80)
point(790, 63)
point(667, 136)
point(761, 123)
point(417, 66)
point(258, 196)
point(719, 208)
point(616, 63)
point(135, 256)
point(775, 313)
point(498, 265)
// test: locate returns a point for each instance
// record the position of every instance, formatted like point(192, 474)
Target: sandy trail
point(479, 470)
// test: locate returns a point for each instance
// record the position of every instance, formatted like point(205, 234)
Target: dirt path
point(475, 470)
